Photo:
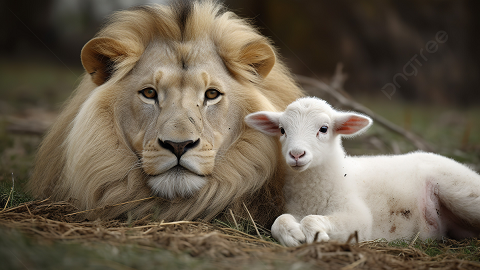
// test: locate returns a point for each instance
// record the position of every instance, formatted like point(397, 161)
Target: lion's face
point(179, 115)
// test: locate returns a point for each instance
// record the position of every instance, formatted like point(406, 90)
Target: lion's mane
point(85, 156)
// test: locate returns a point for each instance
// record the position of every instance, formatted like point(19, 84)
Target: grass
point(429, 246)
point(24, 85)
point(16, 159)
point(18, 251)
point(49, 243)
point(454, 131)
point(10, 197)
point(247, 227)
point(468, 249)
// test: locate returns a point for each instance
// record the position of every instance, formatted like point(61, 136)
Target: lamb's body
point(379, 196)
point(395, 196)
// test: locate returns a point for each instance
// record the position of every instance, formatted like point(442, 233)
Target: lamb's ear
point(265, 122)
point(260, 57)
point(99, 56)
point(351, 124)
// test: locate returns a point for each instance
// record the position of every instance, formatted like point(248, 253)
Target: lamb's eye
point(324, 129)
point(149, 93)
point(212, 94)
point(282, 131)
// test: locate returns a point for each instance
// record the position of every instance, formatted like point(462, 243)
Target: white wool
point(330, 195)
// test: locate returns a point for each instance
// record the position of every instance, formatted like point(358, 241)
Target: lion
point(156, 123)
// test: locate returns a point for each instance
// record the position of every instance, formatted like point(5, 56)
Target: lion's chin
point(176, 182)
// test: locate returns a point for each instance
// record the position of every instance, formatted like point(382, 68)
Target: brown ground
point(225, 247)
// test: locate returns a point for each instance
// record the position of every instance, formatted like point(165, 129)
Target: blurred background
point(414, 62)
point(374, 39)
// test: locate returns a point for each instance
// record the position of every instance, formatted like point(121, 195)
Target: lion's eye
point(149, 93)
point(212, 94)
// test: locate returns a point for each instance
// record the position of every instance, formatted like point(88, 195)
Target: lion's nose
point(179, 148)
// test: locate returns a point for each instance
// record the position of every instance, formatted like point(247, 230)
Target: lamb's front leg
point(286, 229)
point(336, 227)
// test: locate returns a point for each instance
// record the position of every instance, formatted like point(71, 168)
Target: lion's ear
point(99, 55)
point(260, 56)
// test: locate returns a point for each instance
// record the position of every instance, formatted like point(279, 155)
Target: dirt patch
point(232, 248)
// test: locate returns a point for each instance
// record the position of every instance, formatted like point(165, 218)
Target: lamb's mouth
point(299, 167)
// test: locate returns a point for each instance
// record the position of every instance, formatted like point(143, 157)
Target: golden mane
point(85, 156)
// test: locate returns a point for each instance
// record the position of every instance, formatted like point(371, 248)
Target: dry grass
point(222, 245)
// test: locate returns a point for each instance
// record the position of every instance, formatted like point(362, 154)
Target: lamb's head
point(310, 130)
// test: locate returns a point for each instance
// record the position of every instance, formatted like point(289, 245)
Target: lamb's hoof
point(321, 237)
point(287, 231)
point(315, 228)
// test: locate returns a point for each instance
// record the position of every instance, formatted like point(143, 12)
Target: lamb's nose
point(297, 155)
point(179, 148)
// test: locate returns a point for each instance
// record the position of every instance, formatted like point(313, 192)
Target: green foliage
point(247, 227)
point(16, 158)
point(26, 85)
point(401, 243)
point(453, 131)
point(466, 249)
point(10, 196)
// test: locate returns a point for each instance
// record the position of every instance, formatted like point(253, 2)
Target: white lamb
point(331, 195)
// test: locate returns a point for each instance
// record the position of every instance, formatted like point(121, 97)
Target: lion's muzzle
point(177, 167)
